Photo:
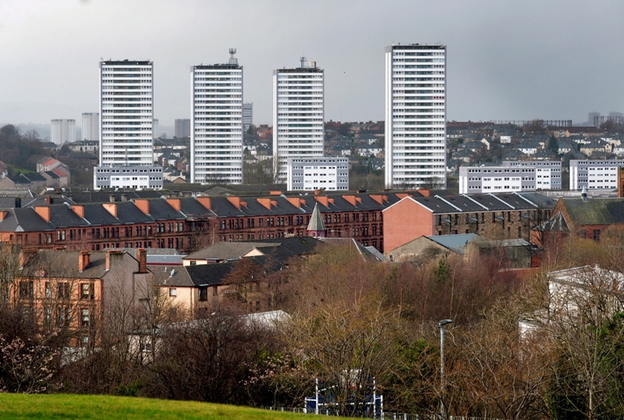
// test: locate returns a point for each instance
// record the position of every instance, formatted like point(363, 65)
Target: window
point(173, 292)
point(63, 290)
point(84, 317)
point(86, 291)
point(203, 294)
point(64, 315)
point(26, 289)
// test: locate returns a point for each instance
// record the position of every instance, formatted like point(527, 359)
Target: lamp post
point(441, 324)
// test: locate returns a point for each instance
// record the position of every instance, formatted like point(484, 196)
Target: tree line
point(20, 151)
point(353, 320)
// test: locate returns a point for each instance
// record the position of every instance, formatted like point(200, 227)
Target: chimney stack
point(142, 258)
point(83, 261)
point(26, 255)
point(110, 254)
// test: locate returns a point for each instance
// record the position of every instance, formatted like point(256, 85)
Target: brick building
point(495, 216)
point(189, 223)
point(74, 290)
point(586, 217)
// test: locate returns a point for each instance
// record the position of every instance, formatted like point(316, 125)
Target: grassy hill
point(16, 406)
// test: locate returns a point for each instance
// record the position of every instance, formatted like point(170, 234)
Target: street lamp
point(441, 324)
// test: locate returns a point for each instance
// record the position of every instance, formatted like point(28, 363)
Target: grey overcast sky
point(506, 59)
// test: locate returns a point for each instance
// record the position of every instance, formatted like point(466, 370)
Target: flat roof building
point(298, 115)
point(594, 174)
point(62, 131)
point(415, 124)
point(247, 115)
point(511, 176)
point(310, 174)
point(126, 127)
point(217, 123)
point(182, 128)
point(90, 126)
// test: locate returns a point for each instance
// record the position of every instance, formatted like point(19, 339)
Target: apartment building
point(62, 131)
point(126, 127)
point(548, 172)
point(91, 126)
point(310, 174)
point(182, 128)
point(594, 174)
point(495, 216)
point(511, 176)
point(415, 111)
point(298, 115)
point(190, 223)
point(67, 289)
point(247, 115)
point(217, 123)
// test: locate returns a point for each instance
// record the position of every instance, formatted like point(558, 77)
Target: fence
point(385, 415)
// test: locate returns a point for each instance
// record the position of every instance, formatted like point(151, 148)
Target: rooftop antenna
point(233, 60)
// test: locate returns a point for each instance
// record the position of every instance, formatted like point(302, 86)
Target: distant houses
point(51, 173)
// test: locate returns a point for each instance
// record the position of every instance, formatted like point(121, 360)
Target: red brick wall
point(404, 221)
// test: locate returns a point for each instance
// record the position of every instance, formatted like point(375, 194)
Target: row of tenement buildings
point(383, 220)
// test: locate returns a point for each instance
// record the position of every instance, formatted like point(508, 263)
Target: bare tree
point(498, 372)
point(29, 359)
point(585, 323)
point(346, 347)
point(205, 359)
point(9, 268)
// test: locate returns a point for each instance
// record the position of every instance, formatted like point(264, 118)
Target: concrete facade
point(415, 123)
point(135, 177)
point(594, 174)
point(247, 115)
point(298, 115)
point(512, 176)
point(62, 131)
point(309, 174)
point(182, 128)
point(217, 123)
point(126, 126)
point(548, 172)
point(91, 126)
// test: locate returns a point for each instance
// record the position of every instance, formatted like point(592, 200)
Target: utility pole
point(441, 324)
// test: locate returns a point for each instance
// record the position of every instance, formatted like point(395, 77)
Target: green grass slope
point(63, 406)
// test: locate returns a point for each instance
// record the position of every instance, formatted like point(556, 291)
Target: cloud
point(506, 60)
